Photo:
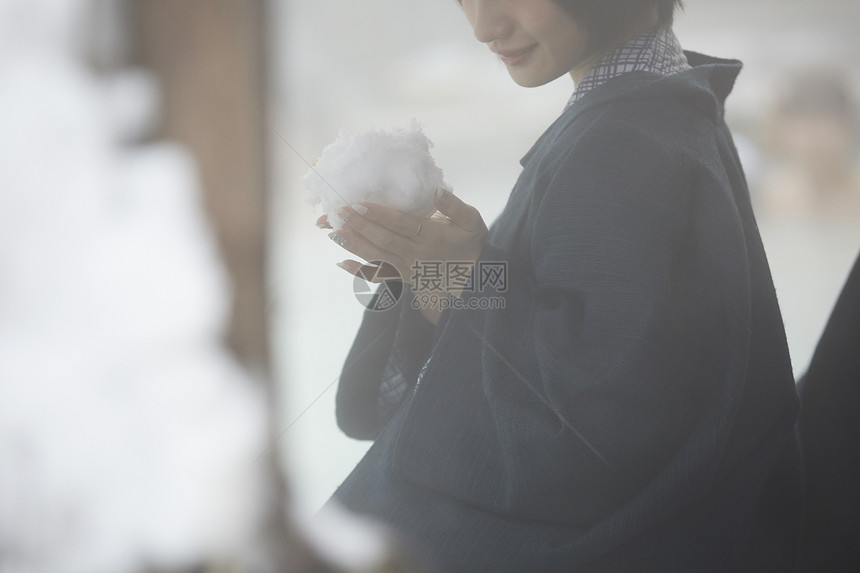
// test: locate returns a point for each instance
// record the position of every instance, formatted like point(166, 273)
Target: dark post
point(209, 56)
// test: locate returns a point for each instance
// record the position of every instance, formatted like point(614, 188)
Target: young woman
point(630, 406)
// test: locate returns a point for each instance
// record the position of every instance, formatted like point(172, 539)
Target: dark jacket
point(830, 428)
point(626, 407)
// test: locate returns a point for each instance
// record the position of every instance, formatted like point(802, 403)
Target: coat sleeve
point(619, 357)
point(382, 365)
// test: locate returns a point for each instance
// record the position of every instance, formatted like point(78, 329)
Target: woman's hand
point(455, 233)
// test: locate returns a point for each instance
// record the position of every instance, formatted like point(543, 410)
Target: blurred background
point(172, 323)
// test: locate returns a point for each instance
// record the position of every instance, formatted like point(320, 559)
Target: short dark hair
point(608, 20)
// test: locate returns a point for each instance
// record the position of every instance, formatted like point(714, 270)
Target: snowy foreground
point(129, 436)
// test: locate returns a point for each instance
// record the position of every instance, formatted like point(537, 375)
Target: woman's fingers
point(371, 273)
point(461, 214)
point(351, 266)
point(379, 234)
point(359, 245)
point(322, 222)
point(374, 232)
point(395, 221)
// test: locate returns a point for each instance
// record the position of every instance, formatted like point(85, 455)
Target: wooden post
point(209, 56)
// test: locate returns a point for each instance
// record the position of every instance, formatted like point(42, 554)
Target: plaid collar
point(657, 51)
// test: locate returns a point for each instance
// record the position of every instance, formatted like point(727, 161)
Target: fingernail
point(344, 215)
point(337, 238)
point(343, 266)
point(442, 194)
point(360, 209)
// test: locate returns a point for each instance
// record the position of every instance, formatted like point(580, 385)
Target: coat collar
point(705, 86)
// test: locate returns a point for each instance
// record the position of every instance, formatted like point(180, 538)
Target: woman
point(631, 407)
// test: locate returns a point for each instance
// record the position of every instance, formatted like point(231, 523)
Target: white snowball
point(389, 167)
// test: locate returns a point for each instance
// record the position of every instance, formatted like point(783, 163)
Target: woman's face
point(537, 40)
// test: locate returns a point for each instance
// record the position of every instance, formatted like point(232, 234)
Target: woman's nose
point(490, 19)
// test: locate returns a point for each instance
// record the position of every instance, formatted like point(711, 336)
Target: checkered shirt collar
point(657, 51)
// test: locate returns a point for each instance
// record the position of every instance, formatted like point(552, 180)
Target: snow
point(346, 540)
point(128, 434)
point(389, 167)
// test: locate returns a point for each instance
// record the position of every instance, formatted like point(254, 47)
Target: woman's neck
point(641, 25)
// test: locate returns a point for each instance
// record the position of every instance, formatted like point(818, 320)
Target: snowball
point(392, 168)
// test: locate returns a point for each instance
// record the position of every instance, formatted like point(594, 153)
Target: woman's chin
point(530, 78)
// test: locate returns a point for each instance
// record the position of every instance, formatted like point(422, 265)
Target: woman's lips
point(514, 57)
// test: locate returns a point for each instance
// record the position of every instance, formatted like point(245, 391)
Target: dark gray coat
point(625, 409)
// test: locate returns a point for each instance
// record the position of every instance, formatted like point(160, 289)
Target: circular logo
point(378, 286)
